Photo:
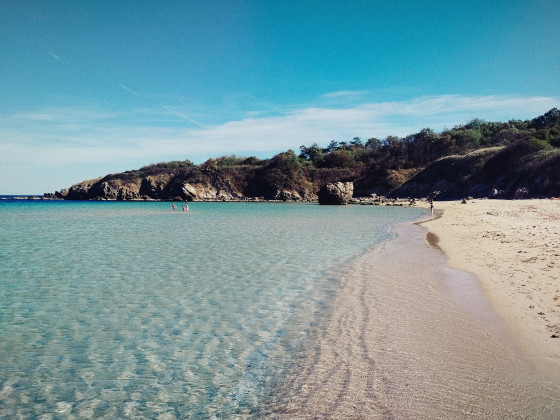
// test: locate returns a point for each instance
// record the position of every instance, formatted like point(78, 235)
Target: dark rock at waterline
point(338, 193)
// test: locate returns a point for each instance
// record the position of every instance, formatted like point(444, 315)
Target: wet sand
point(513, 248)
point(408, 337)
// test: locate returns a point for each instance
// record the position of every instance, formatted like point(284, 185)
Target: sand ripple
point(410, 338)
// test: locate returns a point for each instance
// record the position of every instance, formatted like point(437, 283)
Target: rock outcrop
point(338, 193)
point(219, 191)
point(167, 186)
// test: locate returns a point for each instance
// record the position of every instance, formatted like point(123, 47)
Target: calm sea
point(120, 310)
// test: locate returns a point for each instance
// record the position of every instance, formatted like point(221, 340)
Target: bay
point(113, 309)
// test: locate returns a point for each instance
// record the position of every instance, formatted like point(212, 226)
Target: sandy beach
point(412, 333)
point(513, 248)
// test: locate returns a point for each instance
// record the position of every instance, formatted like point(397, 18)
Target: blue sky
point(89, 88)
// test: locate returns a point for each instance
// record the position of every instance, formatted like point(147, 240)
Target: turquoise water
point(121, 310)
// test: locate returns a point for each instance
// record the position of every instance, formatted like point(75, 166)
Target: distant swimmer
point(173, 207)
point(183, 207)
point(186, 206)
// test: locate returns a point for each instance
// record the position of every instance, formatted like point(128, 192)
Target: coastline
point(407, 336)
point(513, 248)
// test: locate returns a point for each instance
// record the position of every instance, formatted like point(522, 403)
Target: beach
point(361, 317)
point(445, 325)
point(513, 248)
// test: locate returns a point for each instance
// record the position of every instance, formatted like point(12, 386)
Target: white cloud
point(66, 136)
point(345, 94)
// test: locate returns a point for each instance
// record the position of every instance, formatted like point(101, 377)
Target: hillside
point(480, 159)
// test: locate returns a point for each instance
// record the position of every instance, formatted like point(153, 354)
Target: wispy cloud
point(353, 94)
point(58, 58)
point(64, 136)
point(170, 110)
point(129, 90)
point(184, 116)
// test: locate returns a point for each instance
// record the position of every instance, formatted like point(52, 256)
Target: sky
point(89, 88)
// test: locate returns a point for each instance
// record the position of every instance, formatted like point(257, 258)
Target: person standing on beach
point(432, 205)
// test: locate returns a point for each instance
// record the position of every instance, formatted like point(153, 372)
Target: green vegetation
point(470, 159)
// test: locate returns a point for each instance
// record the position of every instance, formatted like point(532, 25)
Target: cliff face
point(181, 185)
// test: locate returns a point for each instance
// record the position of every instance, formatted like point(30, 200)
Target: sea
point(134, 310)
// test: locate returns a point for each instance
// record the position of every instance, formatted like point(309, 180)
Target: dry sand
point(513, 248)
point(409, 337)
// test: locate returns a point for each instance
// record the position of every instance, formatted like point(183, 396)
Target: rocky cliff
point(192, 184)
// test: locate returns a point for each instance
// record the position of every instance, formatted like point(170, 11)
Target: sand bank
point(513, 248)
point(409, 337)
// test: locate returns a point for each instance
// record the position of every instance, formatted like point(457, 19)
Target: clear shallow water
point(114, 309)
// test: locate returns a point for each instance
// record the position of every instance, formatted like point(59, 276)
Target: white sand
point(513, 248)
point(410, 338)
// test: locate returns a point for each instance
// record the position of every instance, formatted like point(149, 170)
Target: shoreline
point(407, 336)
point(513, 249)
